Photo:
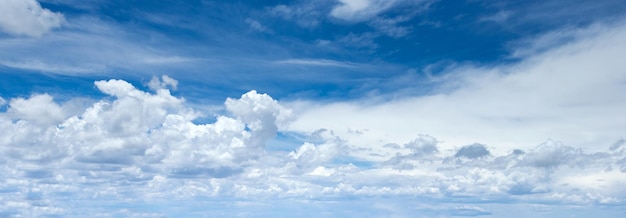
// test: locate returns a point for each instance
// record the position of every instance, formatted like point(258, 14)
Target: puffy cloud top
point(39, 109)
point(27, 17)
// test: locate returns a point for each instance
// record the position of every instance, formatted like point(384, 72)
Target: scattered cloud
point(390, 27)
point(27, 17)
point(165, 81)
point(306, 14)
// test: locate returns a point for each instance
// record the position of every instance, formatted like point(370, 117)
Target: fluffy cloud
point(27, 17)
point(39, 109)
point(147, 145)
point(165, 81)
point(143, 124)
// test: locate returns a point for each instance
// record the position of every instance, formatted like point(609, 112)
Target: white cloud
point(52, 67)
point(360, 10)
point(306, 14)
point(145, 145)
point(40, 109)
point(27, 17)
point(566, 93)
point(90, 46)
point(165, 81)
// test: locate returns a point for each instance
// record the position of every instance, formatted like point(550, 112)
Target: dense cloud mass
point(148, 145)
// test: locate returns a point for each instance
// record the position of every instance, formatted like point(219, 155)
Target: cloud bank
point(569, 93)
point(137, 144)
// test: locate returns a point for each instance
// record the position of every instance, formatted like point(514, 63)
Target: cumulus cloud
point(472, 151)
point(423, 145)
point(138, 144)
point(27, 17)
point(165, 81)
point(141, 128)
point(552, 154)
point(39, 109)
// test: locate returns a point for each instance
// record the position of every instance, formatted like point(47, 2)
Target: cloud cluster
point(27, 17)
point(136, 144)
point(134, 135)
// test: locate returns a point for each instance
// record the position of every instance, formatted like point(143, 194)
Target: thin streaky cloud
point(318, 62)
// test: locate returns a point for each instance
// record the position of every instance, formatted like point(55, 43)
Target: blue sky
point(333, 108)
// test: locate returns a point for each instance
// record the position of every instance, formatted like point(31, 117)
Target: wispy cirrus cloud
point(318, 62)
point(359, 10)
point(87, 46)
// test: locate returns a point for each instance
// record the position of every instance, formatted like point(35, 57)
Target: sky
point(326, 108)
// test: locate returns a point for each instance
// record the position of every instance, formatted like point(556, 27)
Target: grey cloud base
point(143, 148)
